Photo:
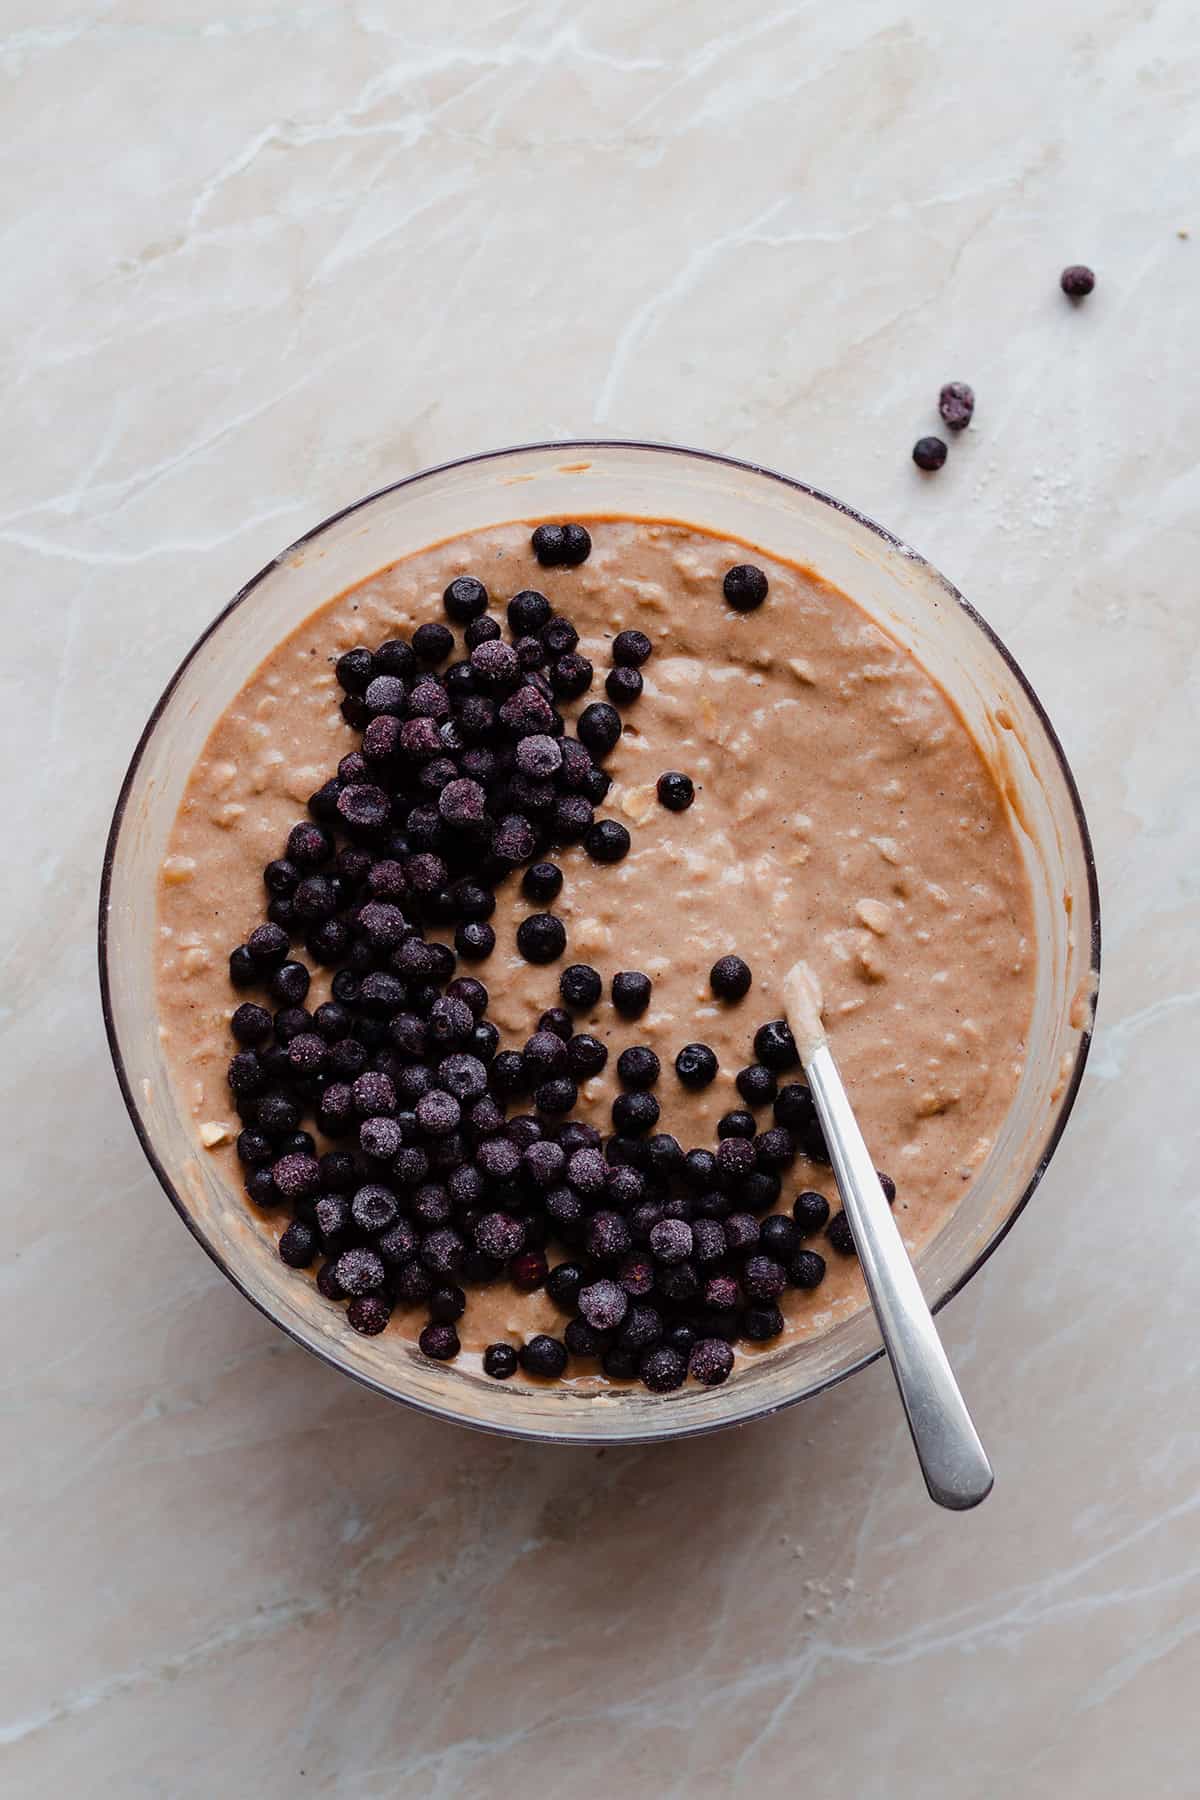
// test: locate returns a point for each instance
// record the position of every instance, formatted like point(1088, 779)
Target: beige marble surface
point(257, 263)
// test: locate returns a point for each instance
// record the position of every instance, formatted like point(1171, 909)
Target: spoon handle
point(956, 1469)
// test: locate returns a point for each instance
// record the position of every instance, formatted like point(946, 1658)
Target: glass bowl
point(898, 589)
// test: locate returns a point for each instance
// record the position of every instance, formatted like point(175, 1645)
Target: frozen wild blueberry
point(563, 1284)
point(395, 657)
point(840, 1235)
point(745, 587)
point(1077, 281)
point(462, 804)
point(380, 1139)
point(571, 818)
point(631, 649)
point(810, 1210)
point(775, 1149)
point(296, 1177)
point(374, 1208)
point(696, 1065)
point(735, 1160)
point(580, 986)
point(438, 1113)
point(465, 599)
point(543, 1355)
point(559, 636)
point(607, 1237)
point(500, 1235)
point(775, 1047)
point(638, 1066)
point(541, 938)
point(662, 1369)
point(359, 1271)
point(763, 1278)
point(603, 1305)
point(442, 1251)
point(730, 978)
point(722, 1294)
point(599, 727)
point(251, 1024)
point(556, 1096)
point(483, 630)
point(888, 1186)
point(398, 1244)
point(762, 1322)
point(538, 756)
point(756, 1085)
point(528, 1271)
point(710, 1361)
point(607, 841)
point(631, 993)
point(475, 940)
point(675, 791)
point(929, 453)
point(528, 611)
point(635, 1114)
point(956, 403)
point(447, 1303)
point(545, 1054)
point(779, 1237)
point(558, 546)
point(736, 1124)
point(806, 1269)
point(500, 1361)
point(623, 685)
point(570, 675)
point(298, 1245)
point(354, 670)
point(542, 882)
point(439, 1341)
point(367, 1313)
point(586, 1055)
point(671, 1241)
point(412, 1283)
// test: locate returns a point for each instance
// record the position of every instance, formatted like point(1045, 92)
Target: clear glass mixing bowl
point(787, 519)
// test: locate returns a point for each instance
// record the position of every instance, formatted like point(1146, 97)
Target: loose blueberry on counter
point(675, 791)
point(730, 978)
point(745, 587)
point(696, 1066)
point(929, 453)
point(956, 403)
point(1077, 281)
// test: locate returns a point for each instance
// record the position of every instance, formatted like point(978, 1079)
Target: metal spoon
point(953, 1462)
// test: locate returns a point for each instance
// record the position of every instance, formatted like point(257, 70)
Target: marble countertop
point(259, 264)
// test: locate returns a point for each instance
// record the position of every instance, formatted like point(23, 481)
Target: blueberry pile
point(439, 1182)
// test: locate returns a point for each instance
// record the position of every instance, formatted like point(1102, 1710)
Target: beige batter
point(843, 814)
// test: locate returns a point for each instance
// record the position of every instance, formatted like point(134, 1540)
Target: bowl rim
point(573, 447)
